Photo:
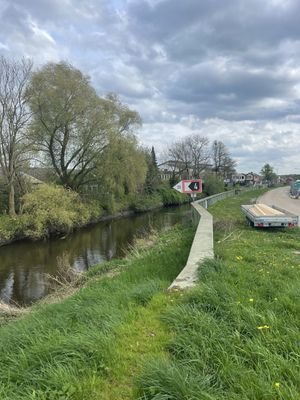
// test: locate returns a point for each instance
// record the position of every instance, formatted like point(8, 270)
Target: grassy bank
point(93, 345)
point(236, 335)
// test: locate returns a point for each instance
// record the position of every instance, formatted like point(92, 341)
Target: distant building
point(177, 169)
point(246, 179)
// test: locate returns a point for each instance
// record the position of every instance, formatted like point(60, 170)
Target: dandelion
point(251, 300)
point(263, 327)
point(239, 258)
point(277, 385)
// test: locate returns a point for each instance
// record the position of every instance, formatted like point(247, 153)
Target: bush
point(144, 203)
point(171, 197)
point(52, 209)
point(213, 185)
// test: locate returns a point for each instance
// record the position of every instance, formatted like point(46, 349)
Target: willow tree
point(14, 118)
point(70, 125)
point(122, 167)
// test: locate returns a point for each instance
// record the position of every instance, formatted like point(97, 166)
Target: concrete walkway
point(202, 248)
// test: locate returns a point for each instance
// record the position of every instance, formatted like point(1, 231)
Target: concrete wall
point(203, 245)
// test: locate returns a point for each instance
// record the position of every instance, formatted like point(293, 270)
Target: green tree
point(152, 177)
point(122, 167)
point(70, 125)
point(14, 119)
point(268, 173)
point(213, 185)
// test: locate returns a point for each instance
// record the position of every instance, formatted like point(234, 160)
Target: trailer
point(263, 216)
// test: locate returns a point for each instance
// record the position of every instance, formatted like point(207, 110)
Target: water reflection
point(24, 265)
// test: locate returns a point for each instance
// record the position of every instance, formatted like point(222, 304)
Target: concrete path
point(280, 197)
point(202, 248)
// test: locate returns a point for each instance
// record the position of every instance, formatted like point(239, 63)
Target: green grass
point(92, 345)
point(236, 334)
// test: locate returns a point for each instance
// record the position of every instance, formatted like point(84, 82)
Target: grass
point(93, 344)
point(236, 334)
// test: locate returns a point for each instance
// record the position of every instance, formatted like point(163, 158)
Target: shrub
point(52, 209)
point(213, 185)
point(145, 203)
point(171, 197)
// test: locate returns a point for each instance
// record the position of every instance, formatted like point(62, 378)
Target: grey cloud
point(182, 64)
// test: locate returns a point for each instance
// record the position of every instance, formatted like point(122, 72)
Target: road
point(280, 197)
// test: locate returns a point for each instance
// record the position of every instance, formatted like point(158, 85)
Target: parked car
point(295, 189)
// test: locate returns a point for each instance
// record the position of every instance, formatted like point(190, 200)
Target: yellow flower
point(239, 258)
point(277, 385)
point(251, 300)
point(263, 327)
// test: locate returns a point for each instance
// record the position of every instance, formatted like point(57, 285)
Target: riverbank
point(86, 346)
point(52, 211)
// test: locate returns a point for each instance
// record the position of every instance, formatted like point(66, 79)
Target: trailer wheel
point(249, 222)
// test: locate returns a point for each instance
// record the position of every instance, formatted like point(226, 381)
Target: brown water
point(24, 265)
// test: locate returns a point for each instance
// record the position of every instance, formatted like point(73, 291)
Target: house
point(252, 179)
point(246, 179)
point(180, 170)
point(239, 179)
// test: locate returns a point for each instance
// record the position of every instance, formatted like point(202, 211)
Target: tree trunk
point(11, 199)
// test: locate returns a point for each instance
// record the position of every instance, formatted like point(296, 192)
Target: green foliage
point(268, 173)
point(143, 203)
point(171, 197)
point(11, 227)
point(72, 126)
point(213, 185)
point(121, 168)
point(152, 178)
point(52, 209)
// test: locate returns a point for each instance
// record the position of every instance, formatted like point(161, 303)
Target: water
point(24, 265)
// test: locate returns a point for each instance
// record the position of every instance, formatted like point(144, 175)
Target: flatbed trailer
point(263, 216)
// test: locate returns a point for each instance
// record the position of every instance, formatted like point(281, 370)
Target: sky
point(228, 70)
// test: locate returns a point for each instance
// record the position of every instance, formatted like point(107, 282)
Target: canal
point(24, 266)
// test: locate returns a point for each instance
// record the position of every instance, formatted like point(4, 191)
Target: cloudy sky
point(228, 70)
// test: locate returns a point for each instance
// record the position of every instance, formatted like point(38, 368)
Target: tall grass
point(236, 334)
point(73, 350)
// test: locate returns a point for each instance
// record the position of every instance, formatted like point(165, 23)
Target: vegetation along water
point(122, 336)
point(25, 265)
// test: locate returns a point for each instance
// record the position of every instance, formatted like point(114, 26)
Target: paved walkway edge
point(203, 243)
point(202, 248)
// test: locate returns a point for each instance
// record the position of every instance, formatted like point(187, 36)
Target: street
point(280, 197)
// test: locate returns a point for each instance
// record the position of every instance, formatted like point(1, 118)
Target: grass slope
point(236, 334)
point(92, 345)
